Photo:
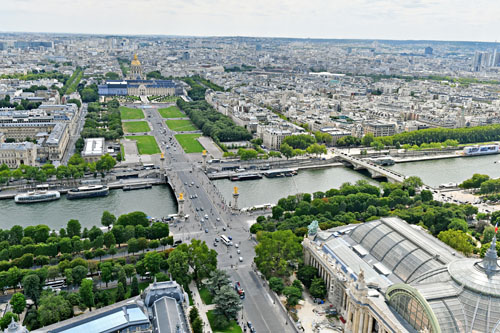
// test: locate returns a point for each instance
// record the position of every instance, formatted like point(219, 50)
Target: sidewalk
point(202, 308)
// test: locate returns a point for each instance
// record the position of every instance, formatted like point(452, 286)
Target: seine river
point(159, 200)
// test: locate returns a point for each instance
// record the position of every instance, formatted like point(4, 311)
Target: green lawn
point(146, 144)
point(189, 143)
point(135, 126)
point(180, 125)
point(171, 112)
point(205, 295)
point(232, 328)
point(131, 113)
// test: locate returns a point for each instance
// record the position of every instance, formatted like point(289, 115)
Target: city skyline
point(359, 19)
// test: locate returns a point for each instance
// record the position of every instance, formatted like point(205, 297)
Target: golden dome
point(136, 61)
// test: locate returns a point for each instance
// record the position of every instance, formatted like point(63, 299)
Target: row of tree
point(77, 167)
point(358, 203)
point(212, 123)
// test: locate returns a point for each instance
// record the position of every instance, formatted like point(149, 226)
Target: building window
point(411, 310)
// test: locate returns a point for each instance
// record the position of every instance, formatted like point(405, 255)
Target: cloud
point(391, 19)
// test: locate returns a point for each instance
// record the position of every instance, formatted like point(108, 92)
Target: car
point(229, 237)
point(197, 186)
point(216, 239)
point(250, 327)
point(202, 220)
point(185, 183)
point(201, 208)
point(223, 228)
point(206, 231)
point(238, 251)
point(218, 219)
point(215, 244)
point(236, 245)
point(206, 217)
point(241, 259)
point(197, 209)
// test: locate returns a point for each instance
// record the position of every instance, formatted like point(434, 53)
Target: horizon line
point(243, 36)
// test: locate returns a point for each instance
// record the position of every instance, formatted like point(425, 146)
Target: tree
point(53, 272)
point(68, 275)
point(129, 270)
point(488, 234)
point(106, 272)
point(293, 295)
point(458, 224)
point(109, 239)
point(142, 243)
point(107, 219)
point(276, 251)
point(7, 319)
point(318, 288)
point(286, 150)
point(120, 292)
point(457, 239)
point(18, 303)
point(474, 182)
point(134, 287)
point(159, 230)
point(86, 293)
point(306, 274)
point(316, 149)
point(367, 139)
point(79, 273)
point(301, 141)
point(227, 302)
point(53, 308)
point(133, 245)
point(32, 288)
point(201, 259)
point(276, 284)
point(197, 325)
point(193, 314)
point(217, 279)
point(179, 266)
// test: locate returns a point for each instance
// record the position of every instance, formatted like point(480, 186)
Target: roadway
point(186, 176)
point(75, 136)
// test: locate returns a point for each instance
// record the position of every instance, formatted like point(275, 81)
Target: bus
point(225, 240)
point(148, 166)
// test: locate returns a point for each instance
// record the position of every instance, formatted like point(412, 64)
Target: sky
point(462, 20)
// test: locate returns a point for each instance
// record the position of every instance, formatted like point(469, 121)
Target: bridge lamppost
point(204, 156)
point(181, 204)
point(235, 198)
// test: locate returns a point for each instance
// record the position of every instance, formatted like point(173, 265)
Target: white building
point(93, 149)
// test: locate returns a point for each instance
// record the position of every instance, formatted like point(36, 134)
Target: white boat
point(481, 150)
point(37, 196)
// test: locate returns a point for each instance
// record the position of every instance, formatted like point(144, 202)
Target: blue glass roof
point(109, 322)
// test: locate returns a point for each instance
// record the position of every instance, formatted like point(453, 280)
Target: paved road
point(188, 178)
point(73, 138)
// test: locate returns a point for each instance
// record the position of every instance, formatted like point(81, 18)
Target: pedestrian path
point(202, 308)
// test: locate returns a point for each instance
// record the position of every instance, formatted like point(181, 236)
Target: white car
point(236, 245)
point(241, 259)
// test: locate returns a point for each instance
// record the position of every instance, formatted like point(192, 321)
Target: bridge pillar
point(181, 204)
point(235, 198)
point(204, 156)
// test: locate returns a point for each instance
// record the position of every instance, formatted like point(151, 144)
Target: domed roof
point(136, 61)
point(481, 276)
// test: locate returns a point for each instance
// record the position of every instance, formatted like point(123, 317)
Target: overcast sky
point(474, 20)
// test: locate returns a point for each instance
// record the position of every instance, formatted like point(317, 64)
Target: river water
point(451, 170)
point(159, 200)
